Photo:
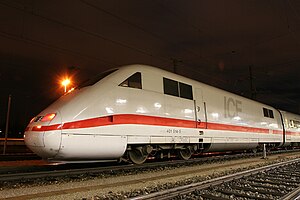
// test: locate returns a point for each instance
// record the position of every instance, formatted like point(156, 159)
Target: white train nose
point(44, 137)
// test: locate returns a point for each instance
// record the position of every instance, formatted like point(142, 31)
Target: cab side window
point(177, 89)
point(171, 87)
point(186, 91)
point(134, 81)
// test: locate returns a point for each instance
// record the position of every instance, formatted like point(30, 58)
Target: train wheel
point(137, 156)
point(185, 154)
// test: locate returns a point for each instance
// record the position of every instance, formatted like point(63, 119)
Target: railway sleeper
point(213, 197)
point(282, 171)
point(295, 172)
point(245, 195)
point(260, 185)
point(285, 176)
point(283, 180)
point(273, 183)
point(262, 191)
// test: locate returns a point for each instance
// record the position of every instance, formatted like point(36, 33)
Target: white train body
point(142, 106)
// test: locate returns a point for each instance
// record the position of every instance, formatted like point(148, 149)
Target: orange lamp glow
point(65, 83)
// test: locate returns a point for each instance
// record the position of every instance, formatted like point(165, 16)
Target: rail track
point(277, 181)
point(96, 182)
point(61, 171)
point(57, 172)
point(53, 171)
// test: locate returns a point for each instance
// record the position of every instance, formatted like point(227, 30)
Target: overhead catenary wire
point(40, 43)
point(186, 63)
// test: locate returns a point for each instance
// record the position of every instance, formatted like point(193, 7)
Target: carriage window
point(291, 123)
point(268, 113)
point(294, 124)
point(186, 91)
point(171, 87)
point(134, 81)
point(297, 123)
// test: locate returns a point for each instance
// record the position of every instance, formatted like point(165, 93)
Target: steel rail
point(109, 169)
point(101, 169)
point(295, 195)
point(181, 190)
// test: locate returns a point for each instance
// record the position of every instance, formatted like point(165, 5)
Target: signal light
point(48, 117)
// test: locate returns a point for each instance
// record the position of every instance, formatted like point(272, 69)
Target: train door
point(285, 126)
point(200, 109)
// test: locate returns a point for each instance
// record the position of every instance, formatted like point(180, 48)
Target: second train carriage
point(139, 110)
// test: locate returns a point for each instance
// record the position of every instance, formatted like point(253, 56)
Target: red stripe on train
point(149, 120)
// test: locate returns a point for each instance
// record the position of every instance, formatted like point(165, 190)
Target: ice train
point(136, 111)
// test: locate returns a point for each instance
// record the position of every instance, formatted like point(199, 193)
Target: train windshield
point(95, 79)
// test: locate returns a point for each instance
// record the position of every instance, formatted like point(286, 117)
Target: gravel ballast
point(132, 184)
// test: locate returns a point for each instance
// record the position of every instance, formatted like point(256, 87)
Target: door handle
point(198, 108)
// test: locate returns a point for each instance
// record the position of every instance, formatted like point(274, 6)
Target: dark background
point(213, 41)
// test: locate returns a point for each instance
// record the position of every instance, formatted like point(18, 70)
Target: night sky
point(215, 42)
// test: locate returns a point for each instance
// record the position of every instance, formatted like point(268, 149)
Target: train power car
point(136, 111)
